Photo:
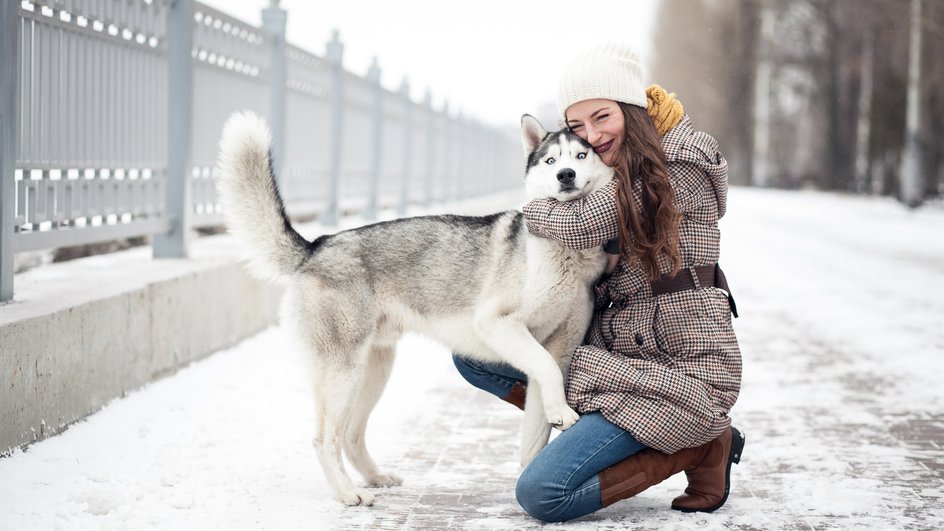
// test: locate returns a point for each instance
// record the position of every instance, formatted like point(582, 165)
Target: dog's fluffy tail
point(251, 201)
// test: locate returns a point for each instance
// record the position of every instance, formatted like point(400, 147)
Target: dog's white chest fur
point(558, 281)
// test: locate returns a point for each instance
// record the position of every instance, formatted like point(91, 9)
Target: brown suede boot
point(650, 467)
point(517, 395)
point(709, 480)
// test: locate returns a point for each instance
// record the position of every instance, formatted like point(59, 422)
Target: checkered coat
point(667, 368)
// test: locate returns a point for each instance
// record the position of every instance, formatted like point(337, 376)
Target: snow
point(840, 328)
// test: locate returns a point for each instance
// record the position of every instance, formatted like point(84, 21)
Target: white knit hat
point(611, 71)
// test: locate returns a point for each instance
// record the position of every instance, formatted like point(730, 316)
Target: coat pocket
point(631, 330)
point(686, 323)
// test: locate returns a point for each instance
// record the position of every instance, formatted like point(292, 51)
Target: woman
point(661, 367)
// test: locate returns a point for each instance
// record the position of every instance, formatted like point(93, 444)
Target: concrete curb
point(82, 333)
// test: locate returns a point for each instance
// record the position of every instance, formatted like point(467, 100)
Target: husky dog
point(483, 286)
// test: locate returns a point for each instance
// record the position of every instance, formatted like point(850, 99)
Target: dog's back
point(441, 275)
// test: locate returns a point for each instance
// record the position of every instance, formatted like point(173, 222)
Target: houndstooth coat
point(666, 368)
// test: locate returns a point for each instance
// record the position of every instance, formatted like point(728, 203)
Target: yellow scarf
point(664, 109)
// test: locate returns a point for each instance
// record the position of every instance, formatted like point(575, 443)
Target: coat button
point(639, 339)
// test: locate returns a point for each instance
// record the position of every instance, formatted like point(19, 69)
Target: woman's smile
point(603, 148)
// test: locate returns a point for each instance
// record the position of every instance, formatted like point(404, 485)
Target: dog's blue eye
point(581, 156)
point(550, 160)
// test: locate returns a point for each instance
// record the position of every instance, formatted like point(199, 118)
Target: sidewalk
point(841, 404)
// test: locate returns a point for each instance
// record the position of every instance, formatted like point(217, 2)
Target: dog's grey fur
point(483, 286)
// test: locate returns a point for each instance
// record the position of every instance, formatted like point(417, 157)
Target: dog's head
point(560, 164)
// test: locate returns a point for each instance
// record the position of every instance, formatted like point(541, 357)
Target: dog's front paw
point(563, 418)
point(384, 480)
point(357, 496)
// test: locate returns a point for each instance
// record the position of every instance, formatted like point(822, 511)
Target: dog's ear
point(532, 133)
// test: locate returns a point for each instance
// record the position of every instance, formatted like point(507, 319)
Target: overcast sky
point(494, 59)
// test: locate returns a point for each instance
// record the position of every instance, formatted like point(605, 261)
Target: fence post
point(335, 53)
point(273, 20)
point(373, 76)
point(407, 148)
point(492, 168)
point(9, 40)
point(174, 244)
point(447, 166)
point(430, 147)
point(459, 139)
point(475, 162)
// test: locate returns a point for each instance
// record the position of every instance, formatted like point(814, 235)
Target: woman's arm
point(579, 224)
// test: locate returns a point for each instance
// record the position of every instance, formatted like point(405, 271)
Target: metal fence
point(109, 127)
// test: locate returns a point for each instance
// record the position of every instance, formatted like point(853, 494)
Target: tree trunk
point(864, 122)
point(761, 139)
point(912, 183)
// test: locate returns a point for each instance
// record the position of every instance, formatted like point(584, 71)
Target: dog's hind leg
point(535, 431)
point(375, 376)
point(336, 387)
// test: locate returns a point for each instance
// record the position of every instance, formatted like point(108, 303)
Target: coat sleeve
point(579, 224)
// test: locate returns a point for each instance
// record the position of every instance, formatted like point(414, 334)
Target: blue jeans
point(561, 483)
point(494, 378)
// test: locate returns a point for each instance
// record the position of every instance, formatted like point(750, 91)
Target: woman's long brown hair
point(655, 231)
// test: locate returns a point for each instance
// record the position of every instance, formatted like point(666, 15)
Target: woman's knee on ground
point(541, 497)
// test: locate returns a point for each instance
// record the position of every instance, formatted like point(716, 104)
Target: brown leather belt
point(711, 275)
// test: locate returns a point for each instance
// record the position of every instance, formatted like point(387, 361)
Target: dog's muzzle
point(566, 176)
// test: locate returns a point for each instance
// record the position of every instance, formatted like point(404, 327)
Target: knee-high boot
point(517, 395)
point(708, 468)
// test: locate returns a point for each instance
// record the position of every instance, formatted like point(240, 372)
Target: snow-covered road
point(842, 332)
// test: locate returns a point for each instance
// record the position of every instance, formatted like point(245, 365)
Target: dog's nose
point(566, 176)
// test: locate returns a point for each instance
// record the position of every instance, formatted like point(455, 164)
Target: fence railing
point(109, 128)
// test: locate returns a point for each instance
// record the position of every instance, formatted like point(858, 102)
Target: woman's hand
point(665, 109)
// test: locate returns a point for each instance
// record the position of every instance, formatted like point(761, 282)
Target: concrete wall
point(82, 333)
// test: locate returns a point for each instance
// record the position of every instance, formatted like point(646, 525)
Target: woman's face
point(599, 122)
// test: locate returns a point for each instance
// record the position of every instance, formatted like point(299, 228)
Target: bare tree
point(912, 189)
point(933, 90)
point(838, 87)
